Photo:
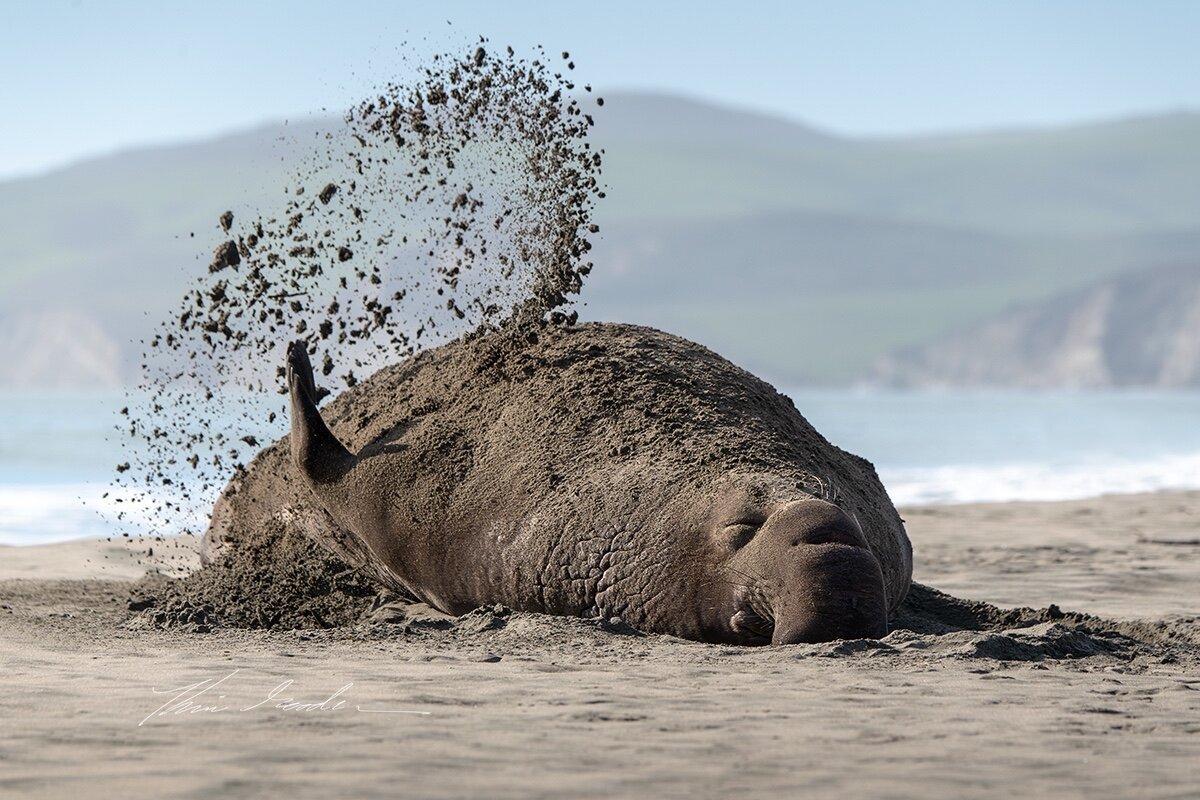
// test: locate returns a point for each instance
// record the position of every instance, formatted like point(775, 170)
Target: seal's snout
point(838, 594)
point(831, 585)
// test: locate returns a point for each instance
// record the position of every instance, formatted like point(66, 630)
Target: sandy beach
point(497, 704)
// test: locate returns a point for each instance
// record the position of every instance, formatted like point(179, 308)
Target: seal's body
point(602, 470)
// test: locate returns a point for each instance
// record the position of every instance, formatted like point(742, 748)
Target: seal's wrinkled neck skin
point(799, 570)
point(317, 453)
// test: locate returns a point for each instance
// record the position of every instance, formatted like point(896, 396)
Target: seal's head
point(796, 569)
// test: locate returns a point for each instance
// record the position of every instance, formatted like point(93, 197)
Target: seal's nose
point(837, 593)
point(833, 586)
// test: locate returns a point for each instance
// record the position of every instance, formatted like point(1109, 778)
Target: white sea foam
point(40, 513)
point(1015, 481)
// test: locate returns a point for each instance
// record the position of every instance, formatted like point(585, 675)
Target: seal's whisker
point(751, 577)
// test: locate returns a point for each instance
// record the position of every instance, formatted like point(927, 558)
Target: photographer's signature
point(209, 697)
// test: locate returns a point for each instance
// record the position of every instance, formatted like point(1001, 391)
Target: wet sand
point(519, 705)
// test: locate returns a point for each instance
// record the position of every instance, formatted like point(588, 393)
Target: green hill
point(800, 254)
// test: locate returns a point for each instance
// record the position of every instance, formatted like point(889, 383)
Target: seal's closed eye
point(738, 534)
point(739, 521)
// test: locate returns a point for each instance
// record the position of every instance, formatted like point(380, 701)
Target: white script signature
point(205, 697)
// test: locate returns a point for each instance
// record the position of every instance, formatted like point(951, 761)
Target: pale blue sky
point(84, 78)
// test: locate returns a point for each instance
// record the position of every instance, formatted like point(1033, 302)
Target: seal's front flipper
point(316, 451)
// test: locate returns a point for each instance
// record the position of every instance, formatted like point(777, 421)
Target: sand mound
point(284, 581)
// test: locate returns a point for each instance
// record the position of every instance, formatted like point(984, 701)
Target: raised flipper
point(318, 454)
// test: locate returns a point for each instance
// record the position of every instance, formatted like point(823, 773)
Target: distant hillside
point(1139, 329)
point(122, 236)
point(797, 253)
point(670, 157)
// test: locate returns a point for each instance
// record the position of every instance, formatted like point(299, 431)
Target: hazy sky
point(84, 78)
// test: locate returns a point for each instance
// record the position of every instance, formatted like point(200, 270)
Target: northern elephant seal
point(601, 470)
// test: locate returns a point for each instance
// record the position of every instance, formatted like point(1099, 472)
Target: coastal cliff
point(1138, 329)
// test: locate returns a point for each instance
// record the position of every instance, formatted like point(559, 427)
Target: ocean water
point(1000, 445)
point(58, 451)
